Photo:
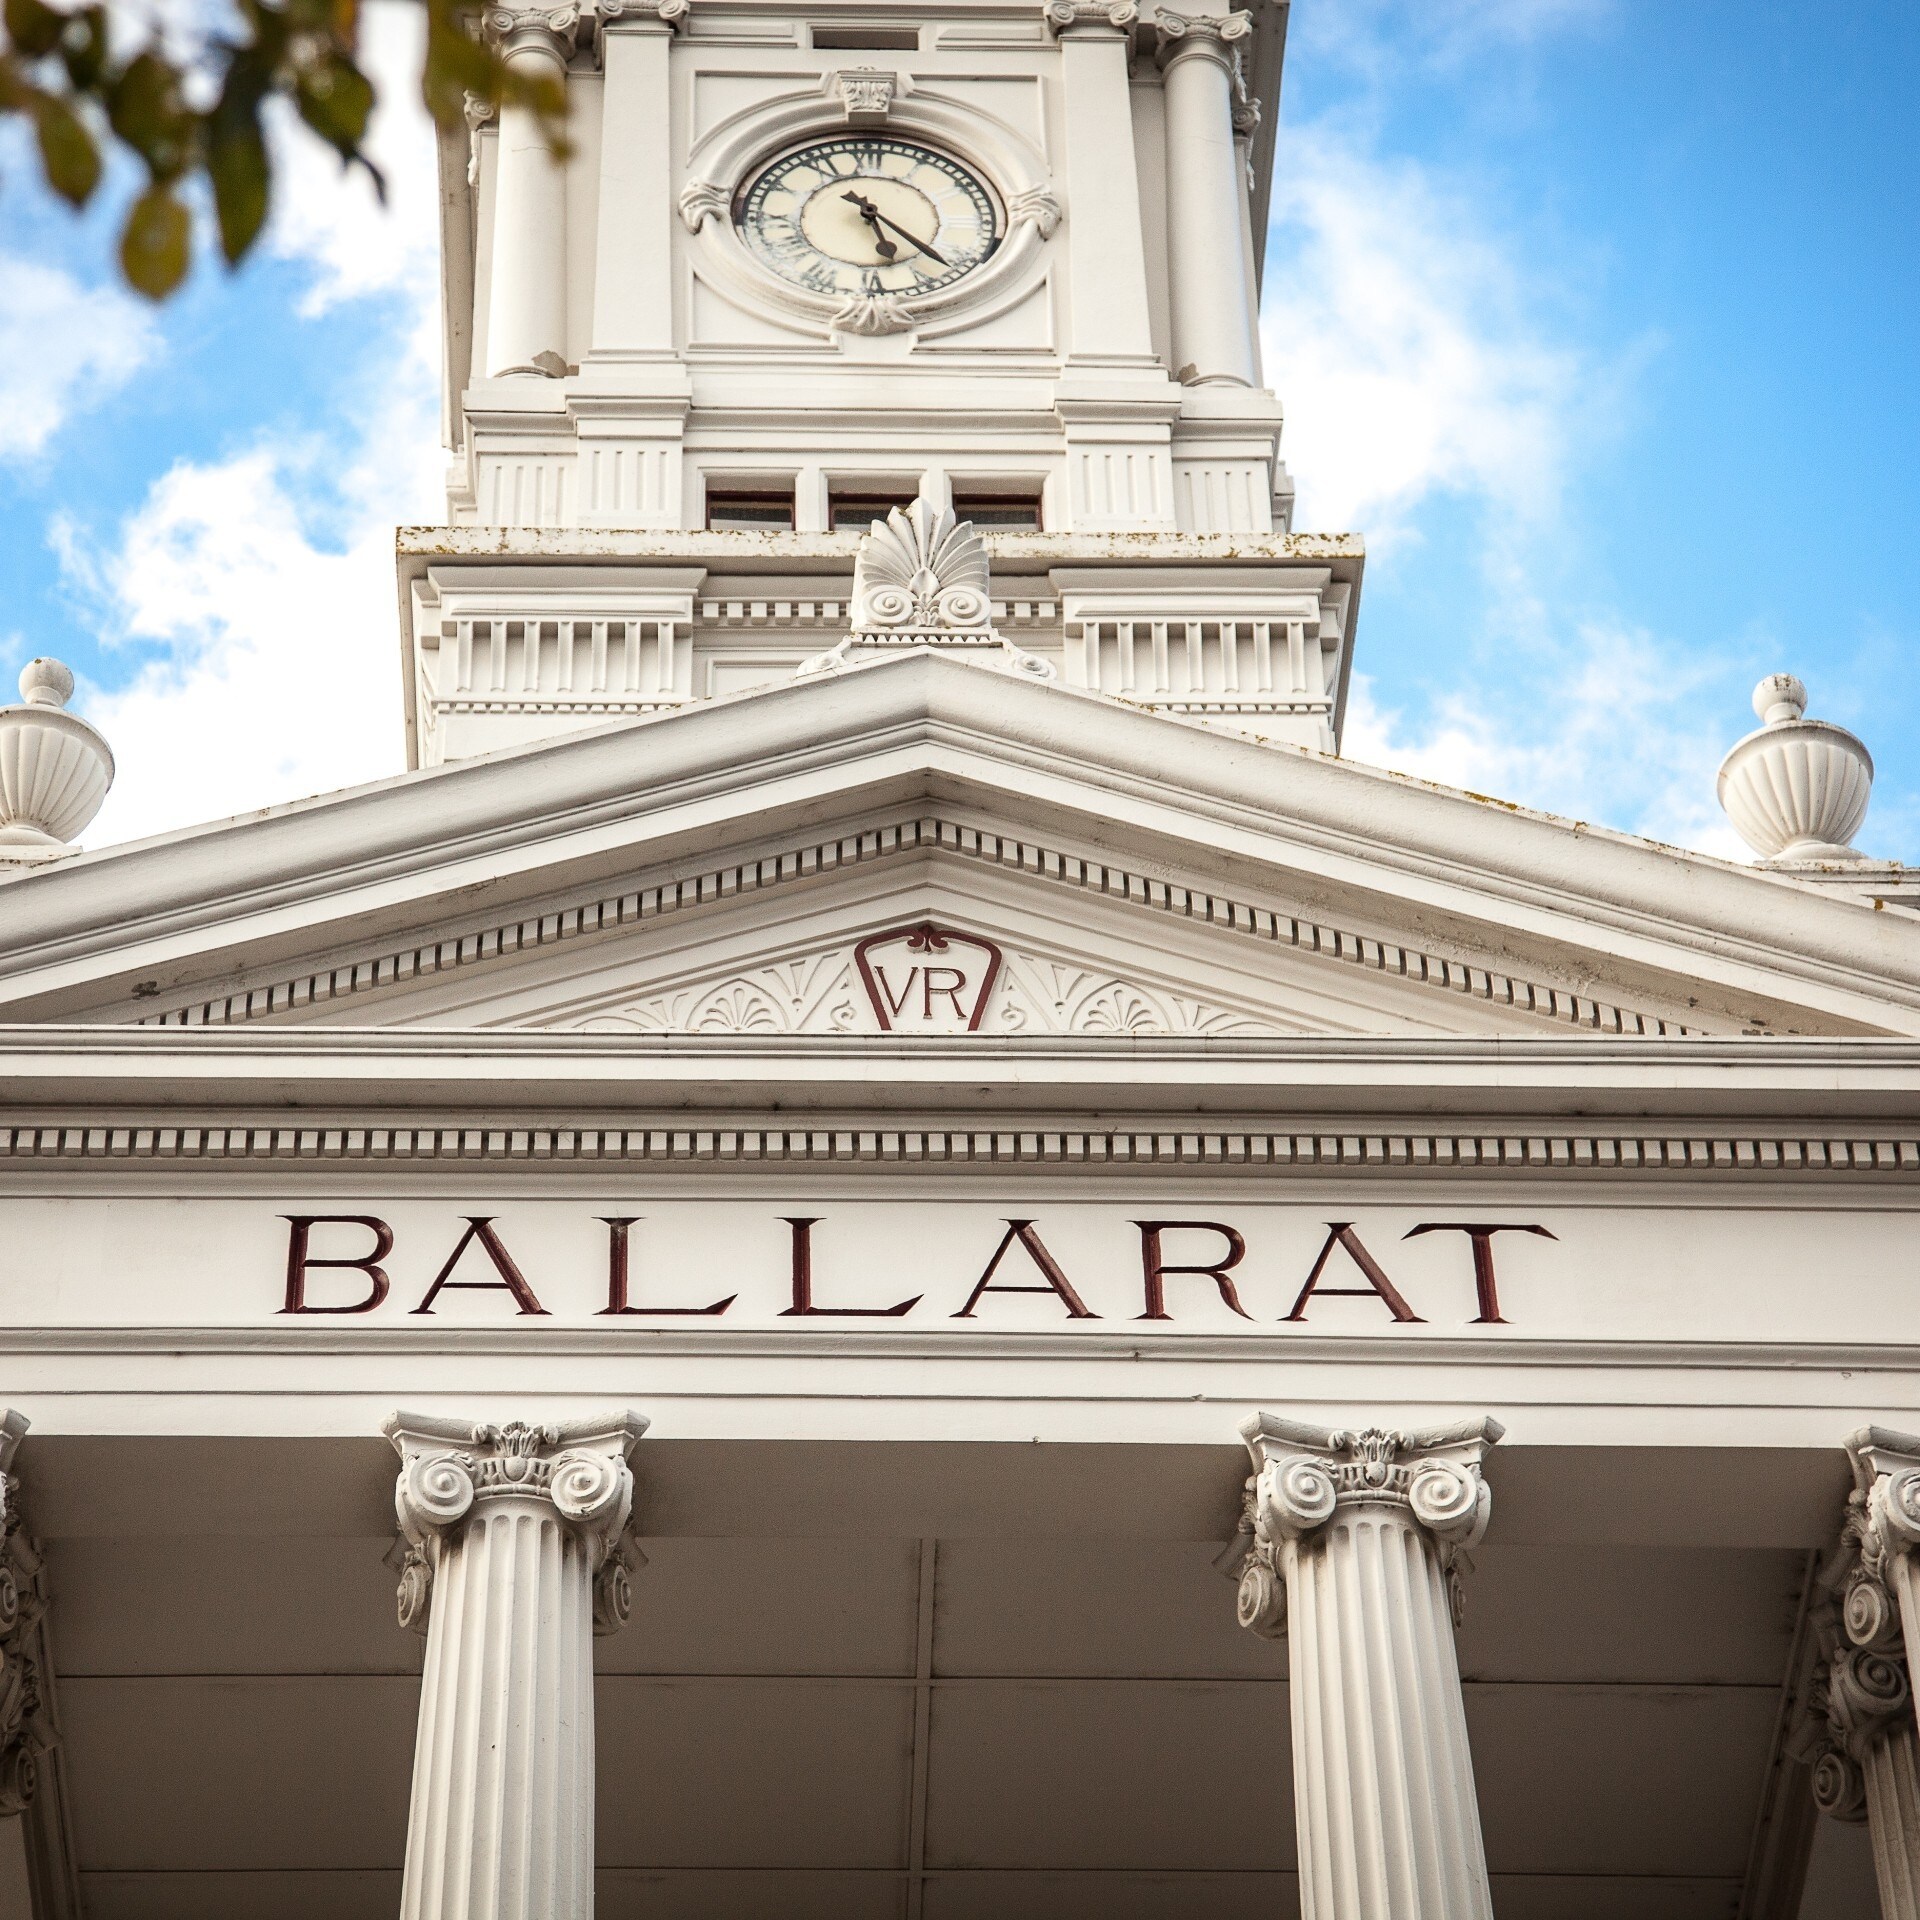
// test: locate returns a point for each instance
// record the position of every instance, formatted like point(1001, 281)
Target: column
point(516, 1557)
point(1106, 252)
point(1209, 281)
point(1867, 1762)
point(1351, 1544)
point(633, 271)
point(527, 292)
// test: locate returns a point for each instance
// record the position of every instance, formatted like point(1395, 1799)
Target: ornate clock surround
point(726, 159)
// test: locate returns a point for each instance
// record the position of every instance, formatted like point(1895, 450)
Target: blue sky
point(1597, 319)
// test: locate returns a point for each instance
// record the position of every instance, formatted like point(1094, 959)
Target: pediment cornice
point(1532, 897)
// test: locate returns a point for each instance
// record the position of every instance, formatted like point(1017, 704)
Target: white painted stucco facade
point(824, 1165)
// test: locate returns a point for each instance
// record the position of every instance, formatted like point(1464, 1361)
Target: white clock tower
point(801, 267)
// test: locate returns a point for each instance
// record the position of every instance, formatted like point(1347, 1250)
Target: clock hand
point(912, 239)
point(872, 216)
point(876, 220)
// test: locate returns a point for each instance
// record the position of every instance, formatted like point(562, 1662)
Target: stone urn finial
point(54, 769)
point(1797, 789)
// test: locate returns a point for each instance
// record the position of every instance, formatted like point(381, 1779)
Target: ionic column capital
point(1109, 16)
point(548, 30)
point(1214, 34)
point(577, 1470)
point(665, 14)
point(1302, 1475)
point(26, 1728)
point(1886, 1478)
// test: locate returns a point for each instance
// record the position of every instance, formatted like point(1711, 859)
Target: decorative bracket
point(701, 201)
point(1038, 207)
point(866, 94)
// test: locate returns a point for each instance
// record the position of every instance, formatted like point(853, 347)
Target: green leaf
point(155, 246)
point(237, 165)
point(336, 100)
point(83, 47)
point(33, 27)
point(67, 152)
point(454, 67)
point(145, 109)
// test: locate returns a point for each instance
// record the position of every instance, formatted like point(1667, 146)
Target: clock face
point(868, 214)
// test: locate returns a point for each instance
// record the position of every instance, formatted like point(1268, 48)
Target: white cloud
point(333, 219)
point(1398, 332)
point(259, 589)
point(63, 347)
point(1423, 356)
point(277, 674)
point(1625, 734)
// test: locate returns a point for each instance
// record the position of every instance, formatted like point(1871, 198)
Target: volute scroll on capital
point(1062, 16)
point(1304, 1475)
point(1862, 1692)
point(1216, 31)
point(578, 1468)
point(26, 1728)
point(668, 13)
point(558, 26)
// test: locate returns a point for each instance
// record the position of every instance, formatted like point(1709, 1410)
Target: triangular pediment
point(1119, 874)
point(923, 926)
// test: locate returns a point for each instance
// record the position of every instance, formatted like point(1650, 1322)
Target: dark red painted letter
point(512, 1280)
point(1054, 1281)
point(1482, 1238)
point(617, 1274)
point(803, 1281)
point(299, 1260)
point(1340, 1233)
point(1154, 1268)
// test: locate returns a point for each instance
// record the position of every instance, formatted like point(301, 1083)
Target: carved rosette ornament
point(516, 1554)
point(921, 579)
point(26, 1726)
point(1349, 1548)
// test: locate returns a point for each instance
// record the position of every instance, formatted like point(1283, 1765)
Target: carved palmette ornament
point(922, 572)
point(921, 579)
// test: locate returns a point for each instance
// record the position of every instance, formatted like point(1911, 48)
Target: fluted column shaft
point(527, 288)
point(1892, 1773)
point(1210, 296)
point(515, 1558)
point(1352, 1543)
